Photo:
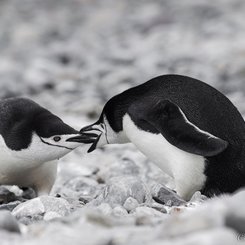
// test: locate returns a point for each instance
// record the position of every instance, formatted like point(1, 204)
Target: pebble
point(146, 211)
point(6, 196)
point(29, 208)
point(159, 207)
point(51, 215)
point(8, 222)
point(105, 208)
point(9, 206)
point(119, 211)
point(35, 209)
point(166, 196)
point(148, 216)
point(130, 204)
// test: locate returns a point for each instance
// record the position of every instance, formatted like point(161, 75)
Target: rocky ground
point(71, 56)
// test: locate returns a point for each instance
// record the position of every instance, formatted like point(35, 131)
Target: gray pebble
point(236, 223)
point(8, 222)
point(130, 204)
point(124, 167)
point(6, 195)
point(159, 207)
point(164, 195)
point(9, 206)
point(147, 211)
point(105, 208)
point(29, 208)
point(119, 211)
point(36, 208)
point(119, 189)
point(51, 215)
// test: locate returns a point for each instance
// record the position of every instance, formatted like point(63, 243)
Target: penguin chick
point(31, 140)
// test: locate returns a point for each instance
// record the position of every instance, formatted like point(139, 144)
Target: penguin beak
point(98, 128)
point(93, 127)
point(86, 138)
point(93, 146)
point(87, 128)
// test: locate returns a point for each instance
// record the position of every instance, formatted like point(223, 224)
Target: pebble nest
point(71, 57)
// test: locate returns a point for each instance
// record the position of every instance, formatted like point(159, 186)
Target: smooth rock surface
point(119, 189)
point(41, 207)
point(164, 195)
point(6, 196)
point(8, 222)
point(130, 204)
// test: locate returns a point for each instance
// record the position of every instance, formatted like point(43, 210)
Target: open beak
point(93, 146)
point(85, 138)
point(95, 130)
point(93, 127)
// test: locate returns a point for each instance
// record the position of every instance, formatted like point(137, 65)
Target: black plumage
point(205, 107)
point(20, 118)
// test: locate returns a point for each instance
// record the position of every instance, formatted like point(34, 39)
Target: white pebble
point(130, 204)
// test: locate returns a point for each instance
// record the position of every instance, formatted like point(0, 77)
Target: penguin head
point(101, 132)
point(33, 133)
point(108, 129)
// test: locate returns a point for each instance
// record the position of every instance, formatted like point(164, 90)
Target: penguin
point(31, 141)
point(189, 129)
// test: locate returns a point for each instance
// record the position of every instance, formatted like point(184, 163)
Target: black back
point(20, 117)
point(205, 107)
point(202, 104)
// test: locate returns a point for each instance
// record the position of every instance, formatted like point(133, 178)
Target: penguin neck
point(116, 108)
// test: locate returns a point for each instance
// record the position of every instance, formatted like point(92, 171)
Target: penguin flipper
point(172, 123)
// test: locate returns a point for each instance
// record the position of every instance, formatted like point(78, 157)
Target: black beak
point(85, 138)
point(93, 146)
point(96, 137)
point(89, 128)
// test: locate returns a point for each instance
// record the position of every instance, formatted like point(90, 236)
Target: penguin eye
point(57, 138)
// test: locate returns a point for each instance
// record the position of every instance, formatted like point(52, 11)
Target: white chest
point(187, 169)
point(12, 168)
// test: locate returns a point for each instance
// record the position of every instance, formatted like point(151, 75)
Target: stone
point(198, 198)
point(105, 216)
point(84, 185)
point(235, 218)
point(119, 211)
point(130, 204)
point(148, 216)
point(6, 195)
point(147, 211)
point(8, 222)
point(29, 208)
point(159, 207)
point(105, 208)
point(124, 167)
point(59, 205)
point(9, 206)
point(35, 209)
point(164, 195)
point(28, 193)
point(119, 189)
point(51, 215)
point(236, 223)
